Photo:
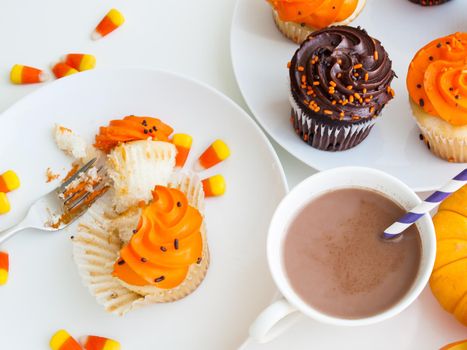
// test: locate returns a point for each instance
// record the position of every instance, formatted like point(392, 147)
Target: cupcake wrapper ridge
point(328, 137)
point(451, 149)
point(294, 31)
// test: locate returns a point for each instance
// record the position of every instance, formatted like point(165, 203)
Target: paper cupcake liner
point(325, 136)
point(96, 247)
point(298, 32)
point(440, 136)
point(294, 31)
point(451, 149)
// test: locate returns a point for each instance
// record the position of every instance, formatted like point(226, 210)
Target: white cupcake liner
point(451, 149)
point(294, 31)
point(328, 137)
point(96, 247)
point(443, 139)
point(298, 32)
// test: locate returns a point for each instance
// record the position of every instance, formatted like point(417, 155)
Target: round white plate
point(260, 54)
point(45, 293)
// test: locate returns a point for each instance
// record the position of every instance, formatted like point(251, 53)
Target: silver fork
point(60, 203)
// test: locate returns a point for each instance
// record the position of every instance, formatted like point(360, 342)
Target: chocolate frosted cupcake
point(428, 2)
point(340, 81)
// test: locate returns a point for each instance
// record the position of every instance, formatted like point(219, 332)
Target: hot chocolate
point(336, 260)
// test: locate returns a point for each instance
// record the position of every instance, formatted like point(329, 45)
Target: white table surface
point(185, 36)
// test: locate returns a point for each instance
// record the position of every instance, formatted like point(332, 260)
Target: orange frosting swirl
point(167, 241)
point(315, 13)
point(437, 78)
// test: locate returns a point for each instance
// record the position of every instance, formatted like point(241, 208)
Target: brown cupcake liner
point(326, 136)
point(97, 244)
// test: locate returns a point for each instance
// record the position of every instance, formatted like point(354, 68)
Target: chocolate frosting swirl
point(341, 73)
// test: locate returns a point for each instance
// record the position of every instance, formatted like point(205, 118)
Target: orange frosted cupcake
point(167, 242)
point(437, 84)
point(296, 19)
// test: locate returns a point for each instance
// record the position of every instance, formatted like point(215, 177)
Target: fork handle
point(8, 233)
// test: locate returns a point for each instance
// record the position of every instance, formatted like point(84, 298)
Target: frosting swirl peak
point(164, 245)
point(437, 78)
point(341, 73)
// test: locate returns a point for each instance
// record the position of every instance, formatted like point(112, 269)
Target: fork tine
point(83, 169)
point(75, 195)
point(91, 197)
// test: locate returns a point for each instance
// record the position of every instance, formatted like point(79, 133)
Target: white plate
point(260, 54)
point(45, 293)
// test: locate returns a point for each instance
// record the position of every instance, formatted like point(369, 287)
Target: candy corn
point(93, 342)
point(112, 20)
point(63, 341)
point(9, 181)
point(4, 203)
point(4, 267)
point(183, 144)
point(458, 345)
point(27, 75)
point(214, 186)
point(214, 154)
point(61, 70)
point(80, 61)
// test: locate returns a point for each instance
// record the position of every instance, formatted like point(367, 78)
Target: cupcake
point(428, 2)
point(437, 85)
point(296, 19)
point(340, 82)
point(154, 254)
point(144, 241)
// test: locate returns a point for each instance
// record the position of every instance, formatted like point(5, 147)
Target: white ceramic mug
point(274, 319)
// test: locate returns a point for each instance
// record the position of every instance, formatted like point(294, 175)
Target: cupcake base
point(446, 141)
point(328, 136)
point(298, 32)
point(294, 31)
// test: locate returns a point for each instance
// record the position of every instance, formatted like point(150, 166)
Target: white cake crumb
point(136, 168)
point(69, 142)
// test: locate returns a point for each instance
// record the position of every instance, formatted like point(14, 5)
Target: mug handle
point(268, 325)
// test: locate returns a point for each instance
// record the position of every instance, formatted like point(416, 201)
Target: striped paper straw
point(426, 206)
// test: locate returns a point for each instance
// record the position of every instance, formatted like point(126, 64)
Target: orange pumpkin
point(458, 345)
point(448, 281)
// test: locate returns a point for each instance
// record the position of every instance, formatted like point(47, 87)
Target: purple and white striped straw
point(426, 206)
